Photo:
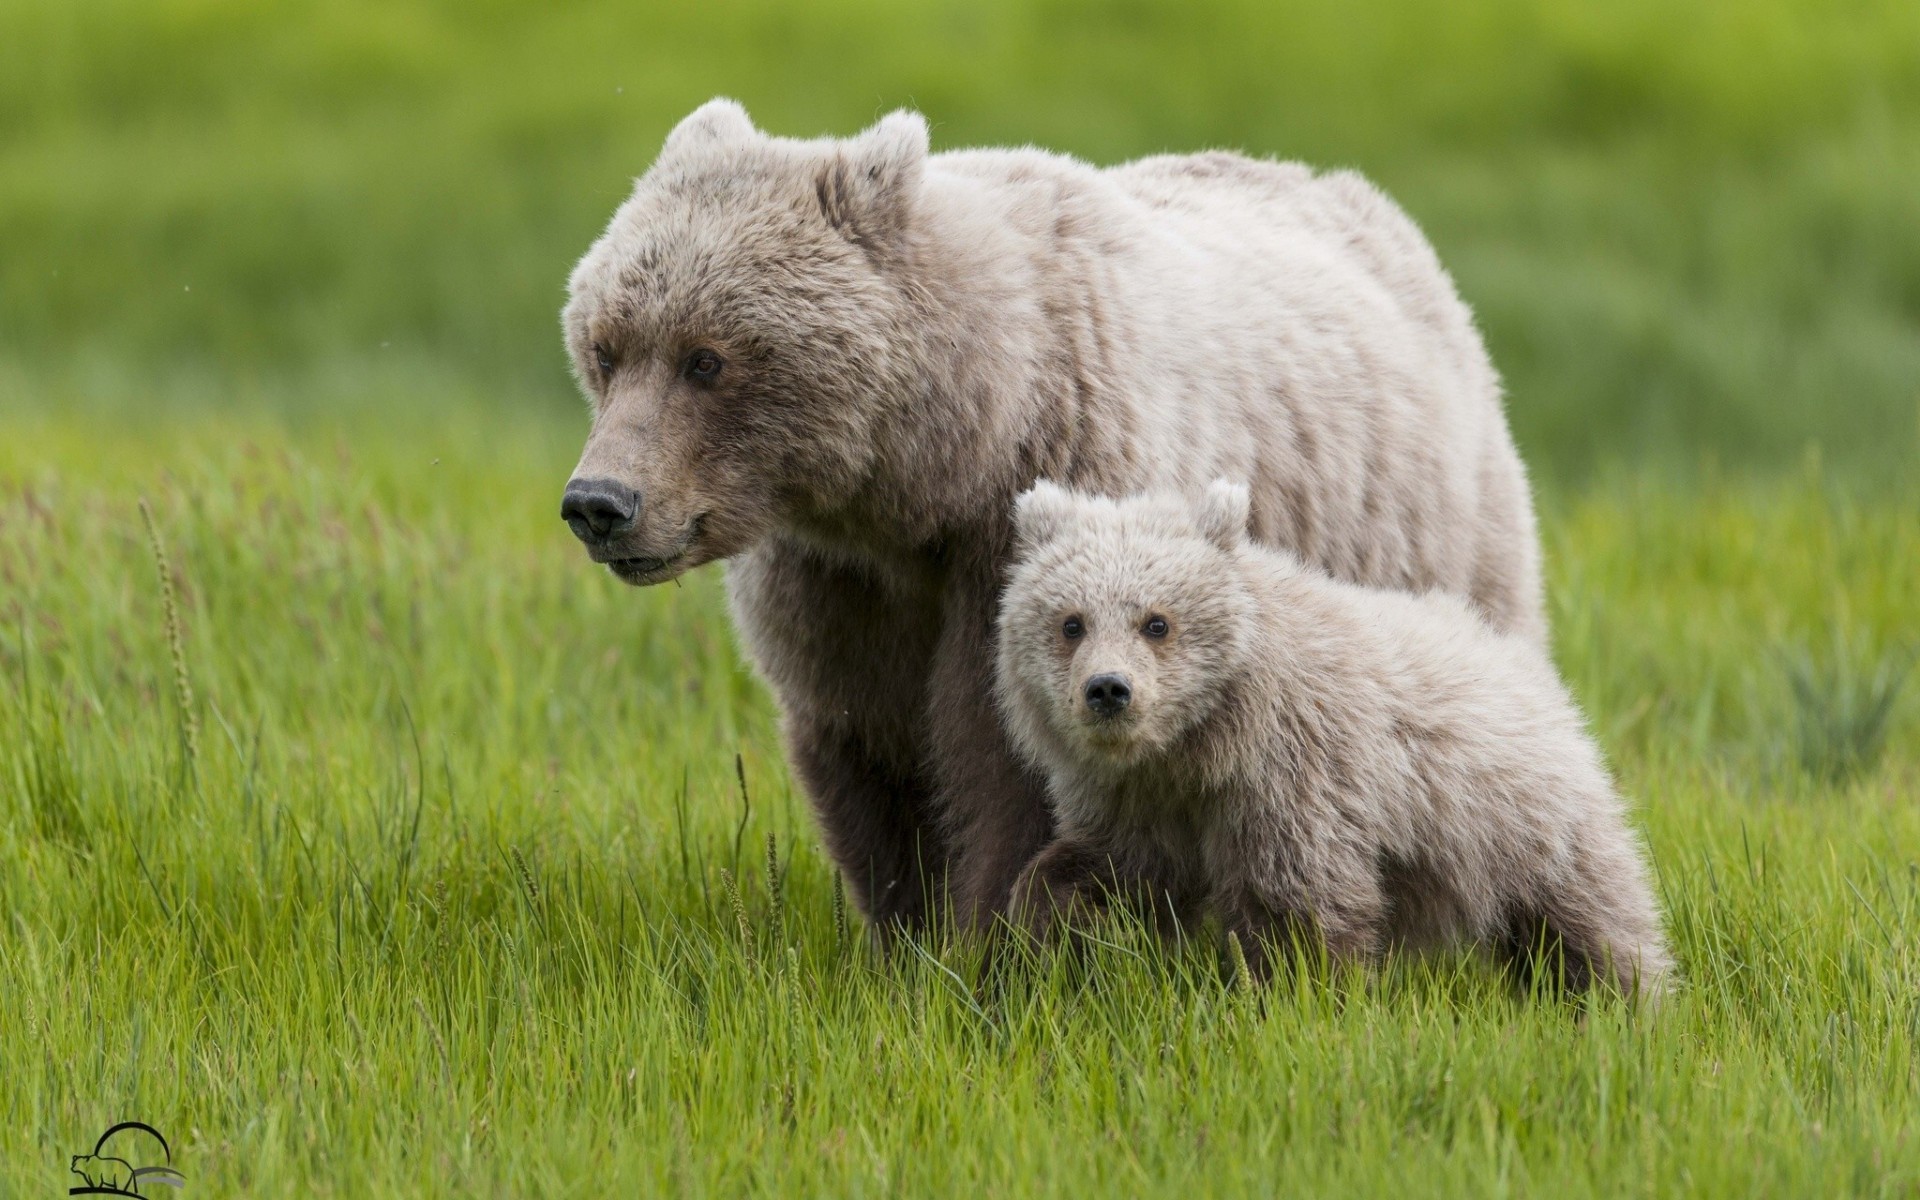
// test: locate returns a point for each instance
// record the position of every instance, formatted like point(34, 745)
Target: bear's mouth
point(1113, 751)
point(643, 569)
point(1117, 737)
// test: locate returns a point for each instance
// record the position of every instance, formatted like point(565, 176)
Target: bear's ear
point(718, 122)
point(1223, 513)
point(866, 189)
point(1042, 511)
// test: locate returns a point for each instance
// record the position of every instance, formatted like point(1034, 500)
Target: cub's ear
point(1223, 513)
point(866, 189)
point(718, 122)
point(1042, 511)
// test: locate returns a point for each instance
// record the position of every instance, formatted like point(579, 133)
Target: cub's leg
point(1591, 920)
point(1315, 894)
point(1266, 934)
point(846, 652)
point(1070, 882)
point(1064, 885)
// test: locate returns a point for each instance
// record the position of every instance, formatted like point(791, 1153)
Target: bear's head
point(743, 331)
point(1122, 620)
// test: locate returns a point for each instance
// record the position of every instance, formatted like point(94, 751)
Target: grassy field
point(430, 887)
point(360, 836)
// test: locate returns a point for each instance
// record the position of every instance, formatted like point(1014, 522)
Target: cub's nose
point(598, 508)
point(1108, 694)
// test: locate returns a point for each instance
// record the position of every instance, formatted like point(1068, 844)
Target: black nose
point(1108, 694)
point(597, 508)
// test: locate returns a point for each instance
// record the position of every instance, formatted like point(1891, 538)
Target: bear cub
point(1222, 727)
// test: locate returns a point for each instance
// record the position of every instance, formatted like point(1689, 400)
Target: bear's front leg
point(847, 652)
point(993, 807)
point(874, 822)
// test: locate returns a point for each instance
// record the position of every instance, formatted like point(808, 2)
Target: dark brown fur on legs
point(1069, 883)
point(1065, 885)
point(885, 673)
point(876, 827)
point(993, 806)
point(849, 652)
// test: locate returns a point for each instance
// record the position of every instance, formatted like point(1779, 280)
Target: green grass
point(436, 863)
point(445, 903)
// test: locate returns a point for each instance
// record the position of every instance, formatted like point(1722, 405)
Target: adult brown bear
point(836, 362)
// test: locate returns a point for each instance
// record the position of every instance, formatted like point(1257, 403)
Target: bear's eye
point(1072, 629)
point(1156, 627)
point(703, 366)
point(603, 358)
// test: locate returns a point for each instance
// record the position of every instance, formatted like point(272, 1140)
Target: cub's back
point(1430, 658)
point(1477, 710)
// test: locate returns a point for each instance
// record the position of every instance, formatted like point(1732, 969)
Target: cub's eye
point(603, 359)
point(1156, 627)
point(1072, 629)
point(703, 366)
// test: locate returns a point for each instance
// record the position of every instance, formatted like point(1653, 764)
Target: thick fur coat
point(836, 362)
point(1221, 726)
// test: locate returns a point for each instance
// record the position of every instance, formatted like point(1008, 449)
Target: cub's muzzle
point(1108, 695)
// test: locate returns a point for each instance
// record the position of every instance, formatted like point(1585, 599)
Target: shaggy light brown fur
point(836, 362)
point(1309, 756)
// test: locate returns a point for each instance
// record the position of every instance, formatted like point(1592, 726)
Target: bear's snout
point(597, 509)
point(1108, 695)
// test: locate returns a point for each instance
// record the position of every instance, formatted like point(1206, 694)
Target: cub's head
point(1122, 620)
point(742, 330)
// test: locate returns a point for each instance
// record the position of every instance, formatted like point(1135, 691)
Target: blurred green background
point(1691, 232)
